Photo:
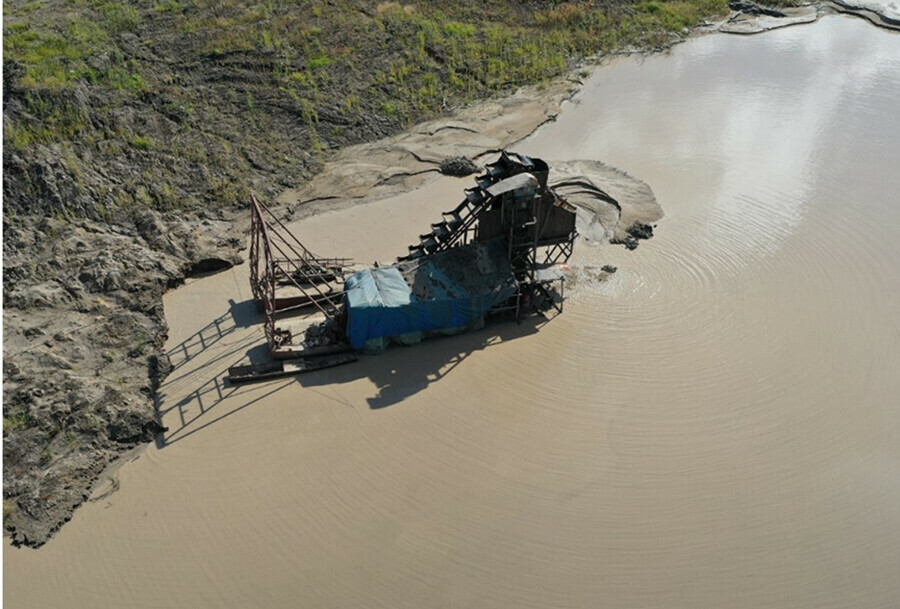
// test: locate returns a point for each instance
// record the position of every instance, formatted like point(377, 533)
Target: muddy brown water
point(715, 426)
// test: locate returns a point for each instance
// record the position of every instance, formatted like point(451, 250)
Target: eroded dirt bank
point(750, 18)
point(83, 332)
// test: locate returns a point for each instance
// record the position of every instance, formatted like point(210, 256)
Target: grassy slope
point(201, 97)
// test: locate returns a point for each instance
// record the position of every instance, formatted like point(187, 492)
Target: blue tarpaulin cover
point(449, 290)
point(377, 302)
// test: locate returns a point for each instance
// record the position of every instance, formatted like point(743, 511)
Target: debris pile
point(323, 334)
point(459, 166)
point(635, 232)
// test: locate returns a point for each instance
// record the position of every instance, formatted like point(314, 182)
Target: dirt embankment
point(83, 333)
point(881, 14)
point(750, 18)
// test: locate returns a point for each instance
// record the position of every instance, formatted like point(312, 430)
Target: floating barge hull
point(261, 372)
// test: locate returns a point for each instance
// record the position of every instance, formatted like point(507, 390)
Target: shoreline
point(741, 23)
point(869, 13)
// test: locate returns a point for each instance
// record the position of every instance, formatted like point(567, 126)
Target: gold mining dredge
point(501, 251)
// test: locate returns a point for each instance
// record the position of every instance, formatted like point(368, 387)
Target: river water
point(715, 426)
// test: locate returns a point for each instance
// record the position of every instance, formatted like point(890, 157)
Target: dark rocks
point(641, 231)
point(322, 335)
point(130, 427)
point(42, 295)
point(12, 71)
point(633, 233)
point(459, 166)
point(751, 8)
point(33, 332)
point(159, 366)
point(152, 230)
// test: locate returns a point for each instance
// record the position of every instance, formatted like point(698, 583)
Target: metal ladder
point(456, 223)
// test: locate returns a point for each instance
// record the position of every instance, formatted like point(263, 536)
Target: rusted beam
point(279, 259)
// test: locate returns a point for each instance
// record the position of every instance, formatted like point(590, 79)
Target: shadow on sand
point(397, 374)
point(239, 315)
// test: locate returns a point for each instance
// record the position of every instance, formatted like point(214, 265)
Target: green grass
point(504, 55)
point(312, 58)
point(319, 62)
point(58, 53)
point(9, 508)
point(14, 422)
point(120, 18)
point(141, 142)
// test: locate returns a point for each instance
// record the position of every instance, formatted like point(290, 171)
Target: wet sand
point(714, 426)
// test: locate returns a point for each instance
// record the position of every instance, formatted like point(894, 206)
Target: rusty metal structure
point(286, 277)
point(501, 249)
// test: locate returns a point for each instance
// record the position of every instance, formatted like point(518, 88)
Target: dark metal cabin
point(511, 200)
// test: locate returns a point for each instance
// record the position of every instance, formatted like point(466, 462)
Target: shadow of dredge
point(239, 315)
point(403, 371)
point(397, 374)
